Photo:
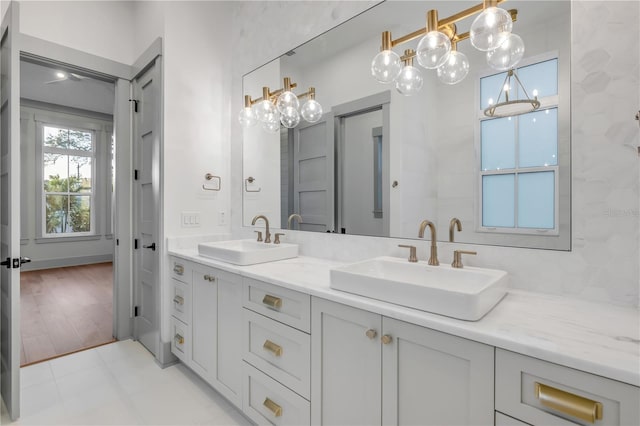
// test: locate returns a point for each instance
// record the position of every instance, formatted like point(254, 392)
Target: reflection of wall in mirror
point(261, 153)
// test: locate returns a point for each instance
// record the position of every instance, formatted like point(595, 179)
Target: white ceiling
point(87, 94)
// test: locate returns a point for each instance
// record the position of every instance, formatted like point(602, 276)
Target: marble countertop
point(597, 338)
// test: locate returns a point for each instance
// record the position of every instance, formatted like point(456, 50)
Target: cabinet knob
point(178, 299)
point(209, 278)
point(273, 407)
point(371, 333)
point(274, 348)
point(272, 301)
point(179, 339)
point(386, 339)
point(178, 269)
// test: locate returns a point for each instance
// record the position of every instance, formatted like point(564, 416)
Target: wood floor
point(64, 310)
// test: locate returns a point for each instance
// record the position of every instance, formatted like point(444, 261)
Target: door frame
point(44, 51)
point(374, 102)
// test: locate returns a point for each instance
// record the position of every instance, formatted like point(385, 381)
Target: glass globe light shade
point(311, 111)
point(433, 50)
point(271, 126)
point(409, 82)
point(386, 66)
point(507, 55)
point(247, 117)
point(287, 100)
point(290, 117)
point(490, 28)
point(455, 68)
point(265, 111)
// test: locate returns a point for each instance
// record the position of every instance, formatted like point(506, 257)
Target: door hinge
point(135, 104)
point(15, 262)
point(135, 174)
point(135, 311)
point(135, 244)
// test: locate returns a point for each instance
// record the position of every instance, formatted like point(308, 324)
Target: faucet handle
point(259, 236)
point(276, 240)
point(457, 257)
point(412, 252)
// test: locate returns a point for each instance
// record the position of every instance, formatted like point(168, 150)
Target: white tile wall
point(603, 263)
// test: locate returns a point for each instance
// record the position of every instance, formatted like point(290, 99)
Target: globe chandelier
point(490, 32)
point(280, 107)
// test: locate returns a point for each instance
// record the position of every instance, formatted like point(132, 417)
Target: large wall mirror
point(378, 162)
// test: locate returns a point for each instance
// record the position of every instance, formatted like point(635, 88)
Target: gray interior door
point(313, 174)
point(146, 88)
point(10, 212)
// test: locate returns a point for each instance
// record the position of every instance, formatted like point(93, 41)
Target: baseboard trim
point(36, 264)
point(166, 358)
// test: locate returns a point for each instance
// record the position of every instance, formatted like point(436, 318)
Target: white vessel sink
point(467, 293)
point(247, 252)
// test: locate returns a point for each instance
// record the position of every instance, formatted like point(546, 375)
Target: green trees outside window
point(68, 186)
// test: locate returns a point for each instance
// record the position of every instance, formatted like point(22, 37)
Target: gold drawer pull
point(178, 299)
point(209, 278)
point(274, 302)
point(568, 403)
point(179, 339)
point(273, 407)
point(272, 347)
point(178, 269)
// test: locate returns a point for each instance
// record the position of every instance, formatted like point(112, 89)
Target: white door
point(10, 212)
point(346, 383)
point(433, 378)
point(146, 148)
point(313, 174)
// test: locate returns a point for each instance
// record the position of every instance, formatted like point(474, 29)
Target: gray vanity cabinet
point(370, 369)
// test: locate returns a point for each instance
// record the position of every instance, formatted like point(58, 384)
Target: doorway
point(67, 192)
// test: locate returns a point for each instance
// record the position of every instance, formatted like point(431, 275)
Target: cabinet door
point(228, 372)
point(433, 378)
point(345, 365)
point(203, 329)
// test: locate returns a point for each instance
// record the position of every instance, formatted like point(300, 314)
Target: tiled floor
point(65, 309)
point(118, 384)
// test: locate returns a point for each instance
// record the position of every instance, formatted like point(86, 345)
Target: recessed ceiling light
point(60, 74)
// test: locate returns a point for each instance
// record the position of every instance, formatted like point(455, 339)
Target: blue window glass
point(540, 79)
point(489, 89)
point(498, 144)
point(538, 138)
point(536, 200)
point(498, 196)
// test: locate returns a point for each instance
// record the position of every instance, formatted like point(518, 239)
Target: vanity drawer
point(267, 402)
point(180, 300)
point(280, 351)
point(180, 269)
point(543, 393)
point(180, 340)
point(281, 304)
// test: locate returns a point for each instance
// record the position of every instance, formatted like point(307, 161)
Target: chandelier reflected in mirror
point(280, 107)
point(490, 32)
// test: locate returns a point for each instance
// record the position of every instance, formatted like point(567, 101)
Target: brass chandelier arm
point(444, 23)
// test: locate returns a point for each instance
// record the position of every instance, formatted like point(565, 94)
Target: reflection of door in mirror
point(360, 181)
point(313, 176)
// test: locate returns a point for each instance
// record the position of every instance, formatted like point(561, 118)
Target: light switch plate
point(190, 220)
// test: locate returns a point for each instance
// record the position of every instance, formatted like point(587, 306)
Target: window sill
point(69, 239)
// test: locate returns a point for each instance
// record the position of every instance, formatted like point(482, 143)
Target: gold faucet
point(267, 236)
point(433, 258)
point(455, 222)
point(294, 216)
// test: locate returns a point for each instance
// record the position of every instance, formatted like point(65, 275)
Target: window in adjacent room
point(68, 184)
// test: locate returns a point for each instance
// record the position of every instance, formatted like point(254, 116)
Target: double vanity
point(301, 340)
